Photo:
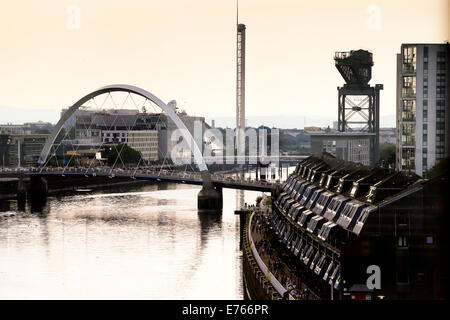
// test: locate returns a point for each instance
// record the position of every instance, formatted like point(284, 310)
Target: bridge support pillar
point(220, 192)
point(209, 198)
point(38, 193)
point(22, 187)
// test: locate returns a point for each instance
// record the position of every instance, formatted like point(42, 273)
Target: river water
point(148, 242)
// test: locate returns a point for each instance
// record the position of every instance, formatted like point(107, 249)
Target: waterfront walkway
point(264, 239)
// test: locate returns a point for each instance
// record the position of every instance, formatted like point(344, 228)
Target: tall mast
point(240, 83)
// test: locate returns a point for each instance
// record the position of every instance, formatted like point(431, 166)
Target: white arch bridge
point(207, 196)
point(212, 184)
point(128, 89)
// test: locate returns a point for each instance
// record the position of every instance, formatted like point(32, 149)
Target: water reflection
point(209, 221)
point(146, 243)
point(5, 206)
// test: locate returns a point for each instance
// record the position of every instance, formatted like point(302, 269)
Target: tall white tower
point(240, 87)
point(240, 100)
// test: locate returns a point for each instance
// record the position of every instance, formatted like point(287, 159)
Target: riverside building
point(361, 232)
point(422, 106)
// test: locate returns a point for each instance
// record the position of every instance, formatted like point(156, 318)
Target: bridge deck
point(218, 180)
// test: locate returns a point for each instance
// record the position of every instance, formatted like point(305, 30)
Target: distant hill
point(18, 115)
point(291, 121)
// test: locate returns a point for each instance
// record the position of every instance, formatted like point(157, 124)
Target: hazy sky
point(185, 50)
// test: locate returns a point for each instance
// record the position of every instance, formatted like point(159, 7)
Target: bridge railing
point(132, 173)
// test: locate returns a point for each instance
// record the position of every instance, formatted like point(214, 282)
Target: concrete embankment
point(8, 188)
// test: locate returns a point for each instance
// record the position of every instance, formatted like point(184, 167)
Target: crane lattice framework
point(358, 102)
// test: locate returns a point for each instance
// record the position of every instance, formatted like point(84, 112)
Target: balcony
point(408, 68)
point(406, 117)
point(409, 93)
point(408, 142)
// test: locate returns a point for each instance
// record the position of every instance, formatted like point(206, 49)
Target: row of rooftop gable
point(364, 183)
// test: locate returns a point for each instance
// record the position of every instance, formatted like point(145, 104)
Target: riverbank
point(68, 185)
point(269, 272)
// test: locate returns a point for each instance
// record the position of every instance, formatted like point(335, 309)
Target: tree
point(43, 131)
point(71, 134)
point(387, 154)
point(440, 168)
point(128, 155)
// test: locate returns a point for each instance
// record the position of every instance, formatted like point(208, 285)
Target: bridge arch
point(198, 158)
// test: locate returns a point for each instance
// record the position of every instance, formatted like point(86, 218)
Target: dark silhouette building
point(362, 232)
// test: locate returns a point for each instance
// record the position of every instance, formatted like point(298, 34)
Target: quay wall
point(65, 185)
point(257, 281)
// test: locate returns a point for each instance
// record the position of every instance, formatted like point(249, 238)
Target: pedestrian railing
point(272, 279)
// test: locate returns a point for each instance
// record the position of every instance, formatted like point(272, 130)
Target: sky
point(53, 52)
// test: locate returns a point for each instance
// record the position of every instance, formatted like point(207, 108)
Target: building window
point(409, 110)
point(408, 159)
point(409, 59)
point(402, 219)
point(409, 87)
point(440, 59)
point(440, 81)
point(440, 115)
point(402, 277)
point(420, 276)
point(440, 128)
point(425, 87)
point(429, 240)
point(402, 242)
point(408, 134)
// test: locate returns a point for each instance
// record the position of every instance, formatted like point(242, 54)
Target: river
point(147, 242)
